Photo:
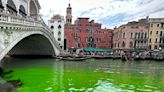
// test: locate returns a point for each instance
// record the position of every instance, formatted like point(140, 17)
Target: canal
point(50, 75)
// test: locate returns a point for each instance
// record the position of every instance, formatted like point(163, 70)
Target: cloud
point(108, 12)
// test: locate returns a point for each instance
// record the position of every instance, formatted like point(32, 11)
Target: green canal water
point(50, 75)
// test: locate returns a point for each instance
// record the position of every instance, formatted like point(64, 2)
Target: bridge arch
point(11, 8)
point(17, 45)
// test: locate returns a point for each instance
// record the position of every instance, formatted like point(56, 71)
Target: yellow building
point(156, 33)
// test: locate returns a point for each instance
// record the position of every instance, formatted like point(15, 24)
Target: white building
point(56, 24)
point(22, 8)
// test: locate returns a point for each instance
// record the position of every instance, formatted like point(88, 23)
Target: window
point(149, 46)
point(145, 35)
point(156, 40)
point(142, 35)
point(156, 32)
point(123, 44)
point(155, 47)
point(150, 40)
point(11, 8)
point(59, 27)
point(135, 35)
point(59, 33)
point(131, 44)
point(161, 33)
point(22, 11)
point(150, 32)
point(162, 25)
point(52, 27)
point(138, 35)
point(59, 39)
point(157, 25)
point(151, 25)
point(160, 40)
point(131, 35)
point(124, 35)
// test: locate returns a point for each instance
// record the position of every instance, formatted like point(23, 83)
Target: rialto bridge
point(22, 30)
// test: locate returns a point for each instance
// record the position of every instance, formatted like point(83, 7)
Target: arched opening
point(59, 27)
point(123, 44)
point(34, 45)
point(11, 8)
point(1, 6)
point(131, 44)
point(33, 10)
point(22, 11)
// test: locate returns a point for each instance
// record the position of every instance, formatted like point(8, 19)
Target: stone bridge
point(25, 36)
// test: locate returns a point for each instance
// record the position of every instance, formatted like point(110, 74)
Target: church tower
point(69, 14)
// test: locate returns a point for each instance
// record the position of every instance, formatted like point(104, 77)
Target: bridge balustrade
point(12, 19)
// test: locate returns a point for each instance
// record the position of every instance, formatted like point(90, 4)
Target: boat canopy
point(97, 50)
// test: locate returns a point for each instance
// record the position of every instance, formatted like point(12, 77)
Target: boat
point(73, 58)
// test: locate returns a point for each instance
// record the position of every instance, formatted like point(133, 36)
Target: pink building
point(132, 35)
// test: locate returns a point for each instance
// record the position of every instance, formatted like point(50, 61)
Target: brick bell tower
point(69, 14)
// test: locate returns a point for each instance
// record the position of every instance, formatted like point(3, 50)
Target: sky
point(109, 13)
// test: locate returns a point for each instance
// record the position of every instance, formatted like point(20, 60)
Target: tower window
point(52, 27)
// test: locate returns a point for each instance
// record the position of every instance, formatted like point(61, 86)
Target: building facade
point(156, 33)
point(133, 35)
point(85, 33)
point(22, 8)
point(56, 24)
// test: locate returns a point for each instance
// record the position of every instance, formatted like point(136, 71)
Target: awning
point(97, 50)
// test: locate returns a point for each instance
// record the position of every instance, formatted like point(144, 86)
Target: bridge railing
point(25, 21)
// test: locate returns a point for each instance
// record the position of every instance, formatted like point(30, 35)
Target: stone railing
point(6, 18)
point(9, 18)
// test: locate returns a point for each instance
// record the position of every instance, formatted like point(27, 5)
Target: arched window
point(1, 6)
point(33, 9)
point(11, 7)
point(59, 33)
point(123, 44)
point(59, 27)
point(52, 27)
point(131, 44)
point(22, 11)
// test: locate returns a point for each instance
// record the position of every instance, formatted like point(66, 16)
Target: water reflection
point(49, 75)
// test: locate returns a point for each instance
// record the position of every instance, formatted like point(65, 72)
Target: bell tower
point(69, 14)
